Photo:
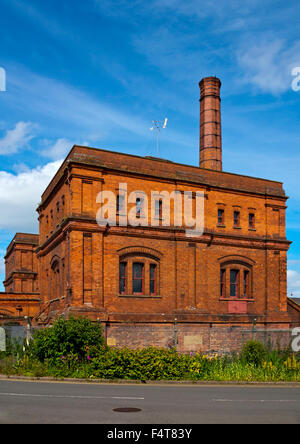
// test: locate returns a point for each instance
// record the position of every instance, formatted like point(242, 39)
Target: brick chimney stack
point(210, 124)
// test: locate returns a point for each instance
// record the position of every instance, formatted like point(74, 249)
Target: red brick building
point(152, 284)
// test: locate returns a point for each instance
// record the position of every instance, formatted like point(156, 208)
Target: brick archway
point(146, 251)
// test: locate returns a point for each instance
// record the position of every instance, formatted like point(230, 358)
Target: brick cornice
point(196, 317)
point(194, 179)
point(210, 237)
point(180, 173)
point(17, 240)
point(19, 274)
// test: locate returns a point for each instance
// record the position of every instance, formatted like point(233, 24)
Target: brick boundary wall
point(190, 337)
point(193, 338)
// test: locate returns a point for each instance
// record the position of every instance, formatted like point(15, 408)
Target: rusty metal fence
point(273, 339)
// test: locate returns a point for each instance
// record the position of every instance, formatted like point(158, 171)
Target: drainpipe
point(254, 328)
point(175, 333)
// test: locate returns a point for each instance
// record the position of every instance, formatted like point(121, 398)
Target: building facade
point(148, 282)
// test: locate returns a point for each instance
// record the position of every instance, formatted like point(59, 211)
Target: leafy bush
point(146, 364)
point(152, 364)
point(253, 352)
point(78, 338)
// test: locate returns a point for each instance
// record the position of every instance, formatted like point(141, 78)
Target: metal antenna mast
point(157, 125)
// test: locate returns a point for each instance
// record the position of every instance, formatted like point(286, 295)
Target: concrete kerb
point(148, 382)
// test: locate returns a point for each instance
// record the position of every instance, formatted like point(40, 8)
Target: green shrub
point(146, 364)
point(70, 340)
point(253, 352)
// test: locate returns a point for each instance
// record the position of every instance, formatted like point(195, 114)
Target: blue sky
point(98, 72)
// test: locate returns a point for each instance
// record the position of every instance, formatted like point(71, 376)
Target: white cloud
point(20, 195)
point(58, 150)
point(17, 138)
point(52, 104)
point(293, 278)
point(294, 261)
point(264, 59)
point(76, 111)
point(267, 63)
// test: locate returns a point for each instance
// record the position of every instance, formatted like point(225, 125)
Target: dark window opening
point(138, 278)
point(246, 283)
point(222, 283)
point(123, 278)
point(120, 203)
point(139, 205)
point(158, 208)
point(236, 218)
point(234, 283)
point(251, 220)
point(221, 218)
point(152, 279)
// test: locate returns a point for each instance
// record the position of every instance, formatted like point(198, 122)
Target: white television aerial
point(157, 126)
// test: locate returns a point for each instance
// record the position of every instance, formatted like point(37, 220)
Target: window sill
point(139, 296)
point(237, 299)
point(252, 229)
point(237, 228)
point(221, 226)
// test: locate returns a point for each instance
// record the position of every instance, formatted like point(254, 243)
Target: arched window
point(236, 278)
point(139, 273)
point(55, 283)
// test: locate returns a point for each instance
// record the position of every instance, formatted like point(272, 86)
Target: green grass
point(158, 364)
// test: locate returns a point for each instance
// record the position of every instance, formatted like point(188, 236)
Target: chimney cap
point(210, 86)
point(213, 79)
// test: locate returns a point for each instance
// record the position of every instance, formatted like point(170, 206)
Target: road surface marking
point(256, 400)
point(70, 396)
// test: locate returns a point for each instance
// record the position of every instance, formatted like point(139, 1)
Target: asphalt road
point(23, 402)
